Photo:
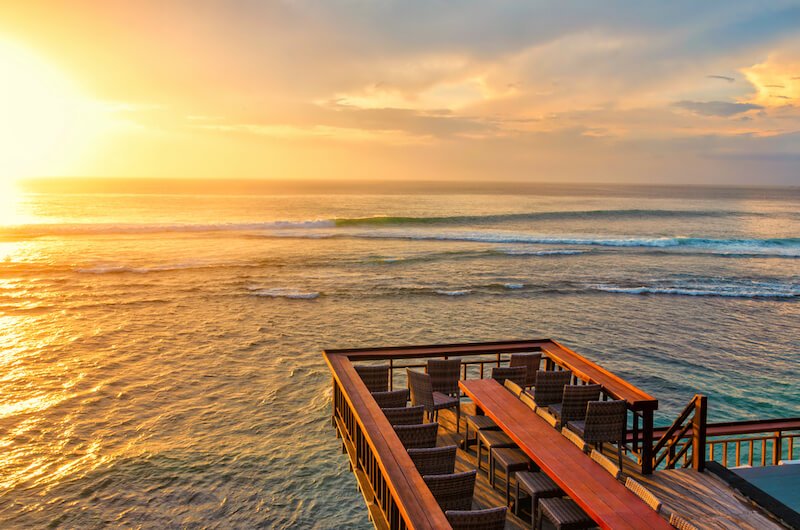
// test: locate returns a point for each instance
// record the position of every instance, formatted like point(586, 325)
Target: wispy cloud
point(723, 77)
point(716, 108)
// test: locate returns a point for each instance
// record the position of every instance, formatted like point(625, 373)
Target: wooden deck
point(395, 493)
point(706, 500)
point(701, 497)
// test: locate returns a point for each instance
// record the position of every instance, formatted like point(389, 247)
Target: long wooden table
point(604, 499)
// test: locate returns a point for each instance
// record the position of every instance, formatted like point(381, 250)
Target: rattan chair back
point(391, 398)
point(531, 361)
point(488, 519)
point(375, 376)
point(605, 421)
point(512, 387)
point(445, 374)
point(574, 438)
point(404, 415)
point(419, 384)
point(452, 491)
point(434, 460)
point(515, 373)
point(576, 397)
point(414, 436)
point(549, 387)
point(606, 463)
point(528, 400)
point(643, 493)
point(680, 522)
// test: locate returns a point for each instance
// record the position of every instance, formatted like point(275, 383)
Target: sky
point(621, 92)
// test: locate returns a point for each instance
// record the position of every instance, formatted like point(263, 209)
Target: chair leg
point(478, 450)
point(508, 487)
point(491, 468)
point(458, 417)
point(516, 500)
point(619, 454)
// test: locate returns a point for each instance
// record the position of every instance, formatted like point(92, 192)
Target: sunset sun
point(44, 120)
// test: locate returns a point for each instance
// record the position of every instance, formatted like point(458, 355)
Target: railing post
point(699, 432)
point(777, 449)
point(647, 442)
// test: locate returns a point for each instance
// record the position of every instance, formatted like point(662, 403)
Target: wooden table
point(604, 499)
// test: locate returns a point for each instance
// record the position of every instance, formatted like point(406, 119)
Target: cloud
point(716, 108)
point(723, 77)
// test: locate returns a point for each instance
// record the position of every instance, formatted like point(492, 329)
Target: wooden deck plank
point(705, 500)
point(607, 501)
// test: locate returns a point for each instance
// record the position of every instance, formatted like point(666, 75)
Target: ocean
point(160, 353)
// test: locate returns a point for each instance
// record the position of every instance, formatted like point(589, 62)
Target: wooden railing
point(752, 443)
point(393, 490)
point(687, 433)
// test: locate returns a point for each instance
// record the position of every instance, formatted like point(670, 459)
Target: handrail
point(667, 436)
point(412, 499)
point(776, 436)
point(692, 418)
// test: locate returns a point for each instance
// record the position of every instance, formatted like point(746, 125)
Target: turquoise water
point(161, 353)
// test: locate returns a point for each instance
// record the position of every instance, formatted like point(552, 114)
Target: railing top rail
point(747, 427)
point(613, 384)
point(413, 498)
point(434, 350)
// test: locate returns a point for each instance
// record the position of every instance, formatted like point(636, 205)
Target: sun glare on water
point(45, 122)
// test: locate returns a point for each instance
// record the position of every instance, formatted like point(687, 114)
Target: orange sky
point(335, 89)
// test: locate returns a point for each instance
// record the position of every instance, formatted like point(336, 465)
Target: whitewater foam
point(731, 292)
point(283, 292)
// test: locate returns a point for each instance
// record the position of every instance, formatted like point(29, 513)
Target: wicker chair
point(606, 464)
point(680, 522)
point(434, 460)
point(391, 398)
point(452, 491)
point(414, 436)
point(549, 387)
point(404, 415)
point(477, 423)
point(492, 440)
point(510, 460)
point(488, 519)
point(643, 493)
point(515, 373)
point(573, 404)
point(512, 387)
point(538, 486)
point(528, 400)
point(605, 422)
point(574, 438)
point(531, 361)
point(422, 394)
point(376, 377)
point(564, 514)
point(445, 374)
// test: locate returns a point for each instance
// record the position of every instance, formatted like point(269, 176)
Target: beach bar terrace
point(521, 434)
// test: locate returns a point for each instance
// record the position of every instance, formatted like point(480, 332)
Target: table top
point(603, 498)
